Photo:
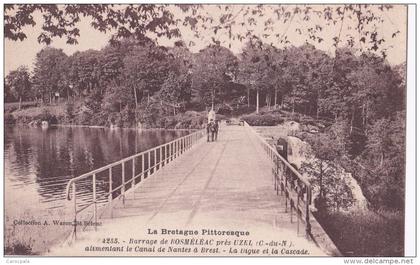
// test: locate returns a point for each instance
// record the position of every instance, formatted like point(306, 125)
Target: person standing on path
point(216, 129)
point(210, 131)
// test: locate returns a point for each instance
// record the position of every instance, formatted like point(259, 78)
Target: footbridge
point(238, 182)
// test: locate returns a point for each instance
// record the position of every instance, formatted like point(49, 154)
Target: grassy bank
point(74, 114)
point(365, 233)
point(34, 239)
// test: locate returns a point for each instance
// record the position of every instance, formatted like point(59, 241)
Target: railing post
point(95, 216)
point(161, 156)
point(155, 161)
point(110, 191)
point(75, 209)
point(291, 209)
point(148, 163)
point(307, 219)
point(297, 213)
point(167, 153)
point(123, 182)
point(142, 167)
point(172, 150)
point(133, 182)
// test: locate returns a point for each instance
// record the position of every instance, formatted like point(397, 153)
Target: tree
point(258, 69)
point(50, 73)
point(145, 69)
point(84, 72)
point(175, 92)
point(214, 70)
point(384, 159)
point(18, 83)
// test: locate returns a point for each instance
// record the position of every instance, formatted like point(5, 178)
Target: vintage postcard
point(271, 130)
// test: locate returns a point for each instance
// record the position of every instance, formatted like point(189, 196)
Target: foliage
point(324, 170)
point(384, 176)
point(62, 20)
point(203, 21)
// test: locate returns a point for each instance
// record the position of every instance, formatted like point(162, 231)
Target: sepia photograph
point(206, 130)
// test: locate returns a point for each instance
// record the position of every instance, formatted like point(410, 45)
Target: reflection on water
point(38, 163)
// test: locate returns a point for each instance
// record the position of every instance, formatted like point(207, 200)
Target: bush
point(9, 119)
point(243, 109)
point(70, 112)
point(18, 248)
point(47, 116)
point(263, 119)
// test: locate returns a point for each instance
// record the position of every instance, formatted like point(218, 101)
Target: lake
point(39, 163)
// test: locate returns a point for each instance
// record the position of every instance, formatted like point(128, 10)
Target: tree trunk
point(293, 107)
point(275, 98)
point(135, 96)
point(321, 188)
point(20, 102)
point(268, 100)
point(258, 101)
point(382, 159)
point(248, 96)
point(317, 111)
point(352, 120)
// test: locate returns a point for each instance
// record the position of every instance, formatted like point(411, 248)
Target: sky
point(19, 53)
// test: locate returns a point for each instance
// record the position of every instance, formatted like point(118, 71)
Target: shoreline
point(123, 128)
point(106, 127)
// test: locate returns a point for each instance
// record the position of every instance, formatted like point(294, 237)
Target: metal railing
point(113, 181)
point(295, 187)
